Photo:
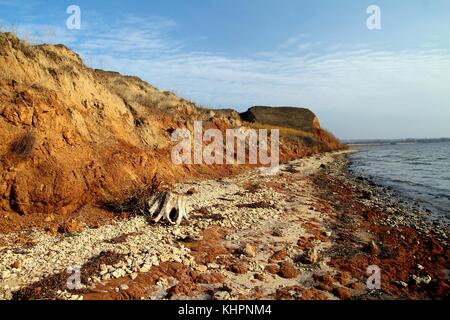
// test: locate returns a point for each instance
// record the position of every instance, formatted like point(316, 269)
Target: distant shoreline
point(382, 142)
point(378, 144)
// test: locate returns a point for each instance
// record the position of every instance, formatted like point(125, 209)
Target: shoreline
point(308, 233)
point(398, 192)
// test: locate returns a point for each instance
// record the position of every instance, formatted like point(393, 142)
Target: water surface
point(419, 171)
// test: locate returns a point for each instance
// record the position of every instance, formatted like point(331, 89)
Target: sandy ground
point(308, 232)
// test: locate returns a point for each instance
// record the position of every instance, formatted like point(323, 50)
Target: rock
point(238, 268)
point(50, 218)
point(277, 232)
point(250, 251)
point(124, 287)
point(210, 278)
point(372, 248)
point(288, 271)
point(222, 295)
point(133, 276)
point(202, 268)
point(5, 274)
point(311, 256)
point(421, 280)
point(279, 255)
point(259, 277)
point(366, 195)
point(358, 286)
point(72, 226)
point(162, 282)
point(52, 229)
point(213, 266)
point(342, 293)
point(401, 284)
point(118, 273)
point(272, 268)
point(344, 278)
point(324, 282)
point(427, 279)
point(191, 191)
point(145, 268)
point(420, 267)
point(16, 265)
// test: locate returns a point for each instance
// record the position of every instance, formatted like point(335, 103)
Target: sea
point(419, 172)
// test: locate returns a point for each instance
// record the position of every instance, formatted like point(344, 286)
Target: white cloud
point(357, 91)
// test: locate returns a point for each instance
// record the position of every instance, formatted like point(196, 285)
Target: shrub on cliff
point(23, 147)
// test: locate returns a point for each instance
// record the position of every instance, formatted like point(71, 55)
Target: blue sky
point(388, 83)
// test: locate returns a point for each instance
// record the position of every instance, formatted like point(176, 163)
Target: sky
point(362, 84)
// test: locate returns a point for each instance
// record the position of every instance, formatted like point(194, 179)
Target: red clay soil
point(188, 281)
point(209, 247)
point(47, 287)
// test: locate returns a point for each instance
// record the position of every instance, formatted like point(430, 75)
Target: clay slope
point(72, 135)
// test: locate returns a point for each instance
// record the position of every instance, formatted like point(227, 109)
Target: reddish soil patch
point(272, 268)
point(278, 256)
point(188, 283)
point(342, 293)
point(288, 271)
point(398, 251)
point(122, 238)
point(46, 288)
point(238, 267)
point(210, 247)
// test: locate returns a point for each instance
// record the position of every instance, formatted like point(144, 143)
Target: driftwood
point(167, 206)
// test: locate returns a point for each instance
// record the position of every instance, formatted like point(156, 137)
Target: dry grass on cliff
point(317, 141)
point(136, 202)
point(283, 130)
point(23, 147)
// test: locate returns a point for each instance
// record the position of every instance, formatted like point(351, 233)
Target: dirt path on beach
point(308, 232)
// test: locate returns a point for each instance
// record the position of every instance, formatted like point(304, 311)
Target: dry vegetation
point(24, 145)
point(136, 203)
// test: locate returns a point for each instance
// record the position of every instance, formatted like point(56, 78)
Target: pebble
point(213, 266)
point(124, 287)
point(133, 276)
point(202, 268)
point(250, 251)
point(222, 295)
point(402, 284)
point(145, 268)
point(118, 273)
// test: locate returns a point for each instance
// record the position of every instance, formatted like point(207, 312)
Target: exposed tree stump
point(167, 206)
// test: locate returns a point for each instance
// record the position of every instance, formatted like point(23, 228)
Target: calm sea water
point(420, 172)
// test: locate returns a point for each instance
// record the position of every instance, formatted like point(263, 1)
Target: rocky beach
point(309, 232)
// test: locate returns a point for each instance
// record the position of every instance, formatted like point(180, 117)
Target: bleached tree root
point(167, 206)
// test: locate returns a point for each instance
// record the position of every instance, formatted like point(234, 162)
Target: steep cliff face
point(72, 135)
point(89, 133)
